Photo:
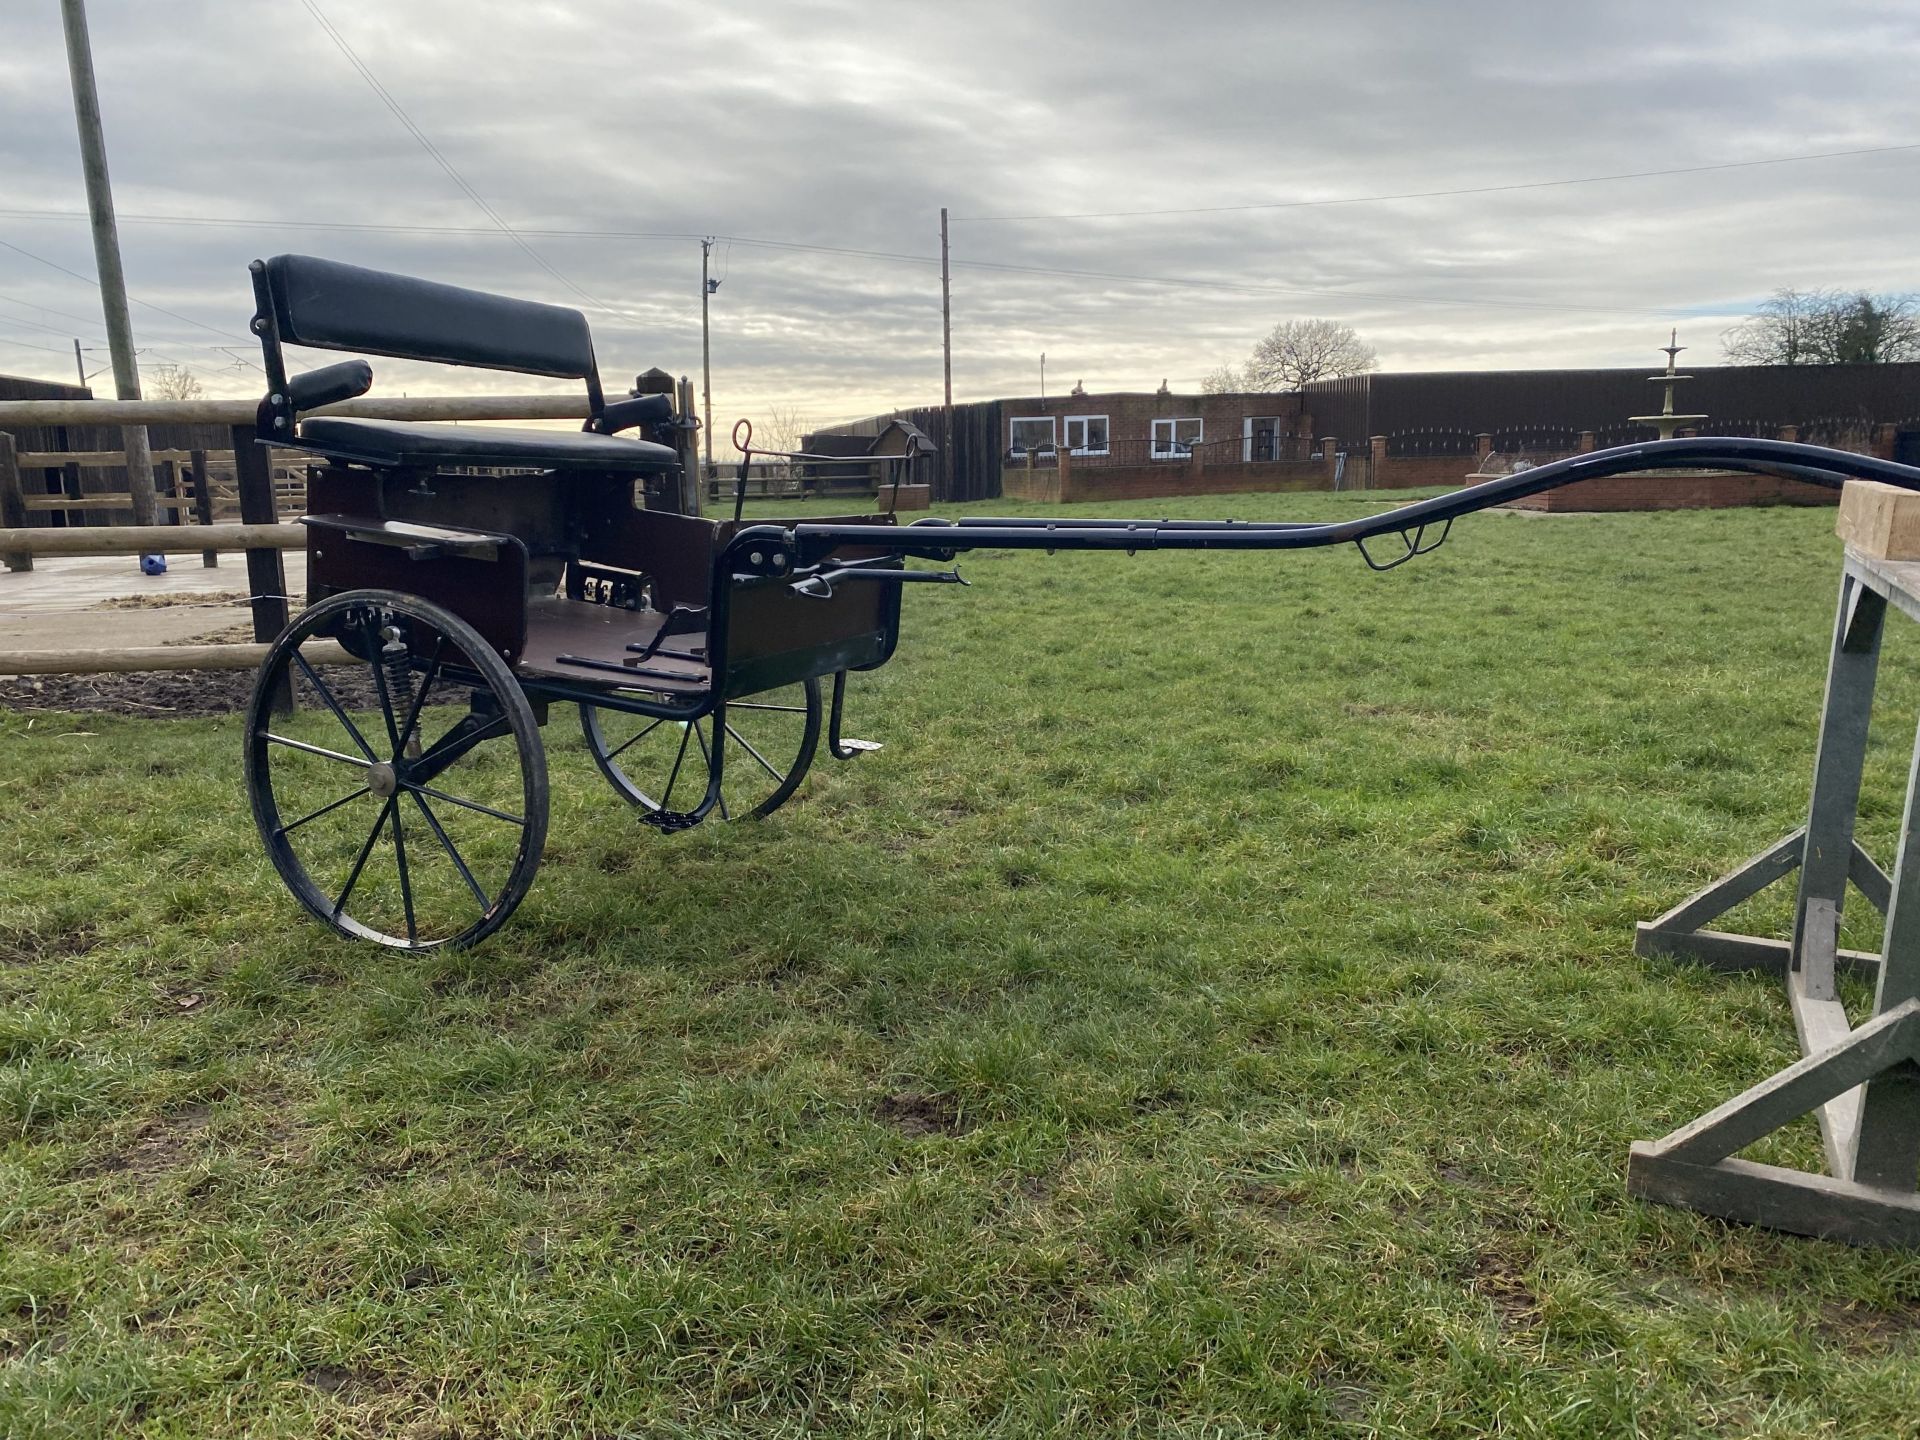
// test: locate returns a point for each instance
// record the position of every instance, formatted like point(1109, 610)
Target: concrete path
point(59, 604)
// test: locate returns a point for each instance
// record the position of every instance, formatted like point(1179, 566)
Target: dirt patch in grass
point(918, 1116)
point(1498, 1278)
point(344, 1381)
point(34, 947)
point(171, 694)
point(153, 693)
point(161, 1148)
point(174, 601)
point(1871, 1326)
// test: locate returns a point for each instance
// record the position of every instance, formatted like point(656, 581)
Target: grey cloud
point(844, 124)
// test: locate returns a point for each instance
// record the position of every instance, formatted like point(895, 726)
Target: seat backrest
point(333, 306)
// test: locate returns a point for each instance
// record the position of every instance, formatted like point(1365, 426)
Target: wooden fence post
point(203, 501)
point(70, 484)
point(13, 502)
point(266, 576)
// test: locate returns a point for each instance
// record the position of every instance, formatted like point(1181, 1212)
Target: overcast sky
point(839, 124)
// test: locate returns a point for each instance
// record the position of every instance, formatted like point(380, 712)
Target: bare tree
point(172, 382)
point(1826, 327)
point(1222, 380)
point(781, 428)
point(1299, 351)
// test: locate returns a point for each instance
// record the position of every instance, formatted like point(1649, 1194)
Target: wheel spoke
point(463, 804)
point(636, 739)
point(446, 843)
point(676, 764)
point(335, 805)
point(312, 749)
point(327, 698)
point(360, 864)
point(778, 777)
point(708, 756)
point(400, 858)
point(420, 696)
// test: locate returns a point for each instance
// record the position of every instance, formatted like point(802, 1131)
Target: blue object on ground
point(153, 564)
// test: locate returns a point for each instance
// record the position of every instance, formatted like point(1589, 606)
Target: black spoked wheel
point(405, 799)
point(663, 765)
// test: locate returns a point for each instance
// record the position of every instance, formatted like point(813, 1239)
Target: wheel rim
point(405, 799)
point(663, 765)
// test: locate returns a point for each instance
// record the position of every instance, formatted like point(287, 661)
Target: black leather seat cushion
point(399, 442)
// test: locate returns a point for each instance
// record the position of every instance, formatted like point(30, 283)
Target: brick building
point(1132, 426)
point(1384, 430)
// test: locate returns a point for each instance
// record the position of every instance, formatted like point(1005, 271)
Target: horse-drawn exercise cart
point(503, 570)
point(497, 571)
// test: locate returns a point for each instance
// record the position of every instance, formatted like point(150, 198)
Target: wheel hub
point(382, 779)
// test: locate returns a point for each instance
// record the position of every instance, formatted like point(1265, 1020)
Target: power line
point(547, 232)
point(1256, 289)
point(29, 345)
point(40, 325)
point(271, 223)
point(147, 304)
point(1443, 194)
point(1184, 282)
point(400, 114)
point(49, 310)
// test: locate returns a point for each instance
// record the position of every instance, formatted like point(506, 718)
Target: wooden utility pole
point(106, 252)
point(946, 359)
point(706, 355)
point(79, 363)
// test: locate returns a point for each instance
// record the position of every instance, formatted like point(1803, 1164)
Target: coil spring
point(397, 661)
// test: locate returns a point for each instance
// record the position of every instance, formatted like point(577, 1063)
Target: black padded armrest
point(640, 410)
point(330, 384)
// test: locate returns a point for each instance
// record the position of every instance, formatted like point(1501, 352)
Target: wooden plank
point(1761, 1109)
point(1745, 881)
point(1897, 580)
point(1718, 950)
point(116, 459)
point(1879, 521)
point(152, 539)
point(203, 502)
point(1790, 1200)
point(39, 504)
point(159, 657)
point(1869, 879)
point(1821, 1023)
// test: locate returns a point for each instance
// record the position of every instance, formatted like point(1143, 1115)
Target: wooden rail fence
point(256, 492)
point(264, 482)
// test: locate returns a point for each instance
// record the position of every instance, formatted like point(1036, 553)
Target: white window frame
point(1169, 449)
point(1082, 421)
point(1247, 435)
point(1053, 432)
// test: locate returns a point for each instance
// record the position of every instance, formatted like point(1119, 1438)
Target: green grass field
point(1214, 1013)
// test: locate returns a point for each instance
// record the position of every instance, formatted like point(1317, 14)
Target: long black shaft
point(941, 539)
